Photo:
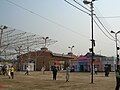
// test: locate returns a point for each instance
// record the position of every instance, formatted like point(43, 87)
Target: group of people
point(54, 70)
point(7, 71)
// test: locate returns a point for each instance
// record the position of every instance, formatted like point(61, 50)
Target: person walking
point(96, 70)
point(54, 70)
point(107, 71)
point(117, 78)
point(67, 73)
point(12, 72)
point(9, 72)
point(3, 70)
point(43, 69)
point(27, 71)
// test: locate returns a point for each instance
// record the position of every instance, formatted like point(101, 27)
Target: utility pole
point(45, 42)
point(117, 48)
point(92, 40)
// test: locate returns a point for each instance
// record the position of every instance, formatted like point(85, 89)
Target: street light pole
point(92, 40)
point(117, 48)
point(71, 48)
point(45, 38)
point(45, 41)
point(71, 54)
point(1, 33)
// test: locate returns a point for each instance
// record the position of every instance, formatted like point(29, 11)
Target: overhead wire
point(99, 22)
point(66, 28)
point(62, 25)
point(76, 7)
point(106, 22)
point(103, 26)
point(102, 30)
point(110, 17)
point(94, 20)
point(81, 5)
point(103, 18)
point(90, 15)
point(98, 13)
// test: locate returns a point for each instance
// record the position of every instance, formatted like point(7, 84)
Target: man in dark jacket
point(54, 70)
point(107, 70)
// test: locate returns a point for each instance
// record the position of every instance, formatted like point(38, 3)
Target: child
point(12, 72)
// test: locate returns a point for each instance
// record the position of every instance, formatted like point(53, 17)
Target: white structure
point(30, 66)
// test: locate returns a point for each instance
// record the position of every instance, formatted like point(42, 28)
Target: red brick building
point(44, 57)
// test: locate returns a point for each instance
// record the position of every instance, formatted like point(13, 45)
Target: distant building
point(44, 57)
point(83, 63)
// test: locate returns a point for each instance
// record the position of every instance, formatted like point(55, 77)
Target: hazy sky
point(62, 22)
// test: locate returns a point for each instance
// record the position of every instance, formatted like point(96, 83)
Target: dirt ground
point(38, 81)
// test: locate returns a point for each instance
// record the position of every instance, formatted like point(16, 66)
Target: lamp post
point(71, 48)
point(1, 33)
point(92, 40)
point(45, 38)
point(70, 53)
point(117, 48)
point(45, 41)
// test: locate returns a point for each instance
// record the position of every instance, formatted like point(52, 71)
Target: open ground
point(39, 81)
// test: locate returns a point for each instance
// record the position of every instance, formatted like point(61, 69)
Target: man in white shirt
point(67, 73)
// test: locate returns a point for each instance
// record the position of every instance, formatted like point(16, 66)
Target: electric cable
point(66, 28)
point(102, 30)
point(81, 5)
point(103, 26)
point(93, 19)
point(62, 25)
point(76, 7)
point(110, 17)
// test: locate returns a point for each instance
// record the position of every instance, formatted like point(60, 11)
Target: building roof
point(62, 55)
point(95, 55)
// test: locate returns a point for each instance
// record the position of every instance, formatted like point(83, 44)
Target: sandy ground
point(38, 81)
